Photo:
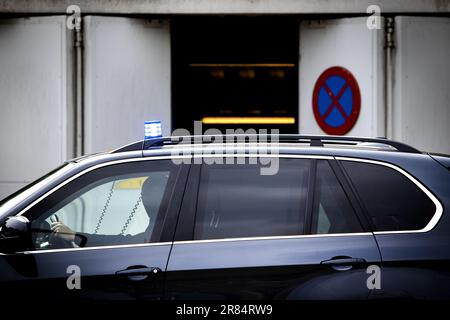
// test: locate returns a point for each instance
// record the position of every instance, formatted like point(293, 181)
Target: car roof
point(313, 145)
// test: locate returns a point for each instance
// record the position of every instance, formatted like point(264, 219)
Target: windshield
point(22, 194)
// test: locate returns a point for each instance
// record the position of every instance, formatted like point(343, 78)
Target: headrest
point(152, 192)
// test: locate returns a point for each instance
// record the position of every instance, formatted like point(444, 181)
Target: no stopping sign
point(336, 101)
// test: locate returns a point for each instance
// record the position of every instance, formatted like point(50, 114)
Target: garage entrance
point(235, 72)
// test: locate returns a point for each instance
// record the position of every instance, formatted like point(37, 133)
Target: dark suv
point(294, 217)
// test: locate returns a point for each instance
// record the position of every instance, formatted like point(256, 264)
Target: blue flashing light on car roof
point(152, 129)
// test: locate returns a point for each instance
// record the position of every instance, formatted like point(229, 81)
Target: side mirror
point(15, 234)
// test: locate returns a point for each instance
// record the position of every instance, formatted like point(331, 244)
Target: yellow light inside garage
point(248, 120)
point(242, 65)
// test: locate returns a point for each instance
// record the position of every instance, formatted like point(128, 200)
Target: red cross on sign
point(336, 101)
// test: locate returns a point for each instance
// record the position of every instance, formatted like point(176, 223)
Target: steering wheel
point(45, 238)
point(57, 241)
point(54, 218)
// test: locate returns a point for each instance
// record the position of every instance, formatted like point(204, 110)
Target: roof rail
point(313, 140)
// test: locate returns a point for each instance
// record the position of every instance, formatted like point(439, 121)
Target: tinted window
point(237, 201)
point(332, 212)
point(392, 201)
point(120, 204)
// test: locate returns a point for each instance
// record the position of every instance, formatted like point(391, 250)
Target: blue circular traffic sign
point(336, 101)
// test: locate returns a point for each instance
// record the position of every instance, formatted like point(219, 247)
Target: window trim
point(181, 242)
point(117, 246)
point(301, 236)
point(439, 208)
point(179, 185)
point(433, 222)
point(170, 157)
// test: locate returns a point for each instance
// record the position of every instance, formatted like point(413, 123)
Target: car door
point(410, 227)
point(296, 234)
point(106, 233)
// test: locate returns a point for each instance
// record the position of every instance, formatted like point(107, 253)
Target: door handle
point(137, 273)
point(343, 263)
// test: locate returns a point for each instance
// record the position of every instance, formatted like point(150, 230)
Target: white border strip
point(137, 245)
point(275, 238)
point(314, 236)
point(439, 209)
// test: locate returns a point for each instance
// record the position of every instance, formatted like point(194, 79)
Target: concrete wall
point(35, 104)
point(127, 80)
point(421, 114)
point(350, 44)
point(223, 6)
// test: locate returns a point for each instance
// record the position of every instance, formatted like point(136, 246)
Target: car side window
point(114, 205)
point(332, 210)
point(392, 201)
point(236, 201)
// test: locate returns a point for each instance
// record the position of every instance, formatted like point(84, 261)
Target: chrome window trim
point(108, 163)
point(302, 236)
point(314, 236)
point(432, 223)
point(439, 208)
point(119, 246)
